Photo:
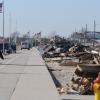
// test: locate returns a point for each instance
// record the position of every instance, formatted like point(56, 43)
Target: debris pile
point(78, 66)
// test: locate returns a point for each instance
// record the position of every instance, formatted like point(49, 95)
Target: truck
point(25, 45)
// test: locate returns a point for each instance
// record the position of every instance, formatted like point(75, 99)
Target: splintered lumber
point(68, 63)
point(49, 48)
point(87, 68)
point(87, 56)
point(96, 60)
point(78, 54)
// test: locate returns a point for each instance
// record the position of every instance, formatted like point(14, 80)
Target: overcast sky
point(62, 16)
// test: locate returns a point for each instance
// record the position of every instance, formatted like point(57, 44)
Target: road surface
point(24, 76)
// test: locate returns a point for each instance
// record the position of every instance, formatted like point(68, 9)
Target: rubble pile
point(78, 66)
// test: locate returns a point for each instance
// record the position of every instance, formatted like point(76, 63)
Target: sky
point(48, 16)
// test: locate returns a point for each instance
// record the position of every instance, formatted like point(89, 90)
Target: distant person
point(1, 55)
point(13, 46)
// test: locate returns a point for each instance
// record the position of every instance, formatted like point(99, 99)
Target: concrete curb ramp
point(35, 83)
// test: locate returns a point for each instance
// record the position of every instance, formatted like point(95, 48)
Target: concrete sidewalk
point(35, 82)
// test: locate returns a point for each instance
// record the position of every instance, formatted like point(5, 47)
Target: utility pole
point(3, 30)
point(82, 36)
point(94, 33)
point(10, 26)
point(85, 39)
point(16, 32)
point(74, 35)
point(86, 27)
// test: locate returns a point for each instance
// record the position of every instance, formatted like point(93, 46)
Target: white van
point(25, 45)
